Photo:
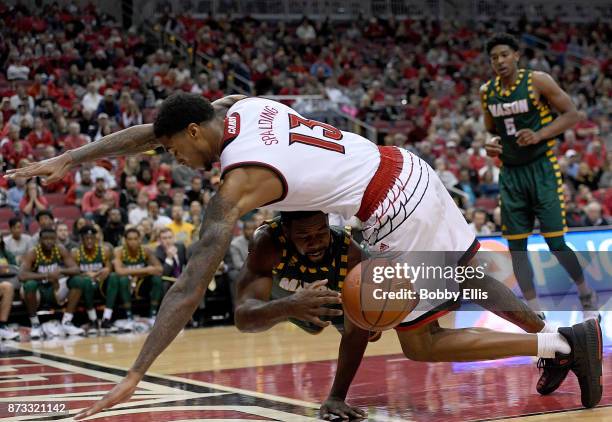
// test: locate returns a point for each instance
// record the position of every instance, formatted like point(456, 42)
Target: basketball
point(376, 306)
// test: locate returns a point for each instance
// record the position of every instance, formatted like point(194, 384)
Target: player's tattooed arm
point(241, 191)
point(130, 141)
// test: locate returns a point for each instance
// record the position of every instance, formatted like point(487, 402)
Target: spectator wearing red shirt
point(40, 136)
point(14, 149)
point(33, 201)
point(95, 198)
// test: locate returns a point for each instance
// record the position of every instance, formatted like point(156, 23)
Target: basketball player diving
point(294, 272)
point(273, 157)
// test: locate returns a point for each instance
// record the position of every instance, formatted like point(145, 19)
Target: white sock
point(34, 321)
point(67, 318)
point(108, 313)
point(549, 328)
point(92, 315)
point(534, 304)
point(584, 289)
point(549, 343)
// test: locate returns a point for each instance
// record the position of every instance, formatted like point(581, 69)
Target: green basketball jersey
point(294, 271)
point(44, 264)
point(140, 261)
point(91, 263)
point(516, 108)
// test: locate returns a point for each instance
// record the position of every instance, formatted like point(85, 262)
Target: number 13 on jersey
point(330, 134)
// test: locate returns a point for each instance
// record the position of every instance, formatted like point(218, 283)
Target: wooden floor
point(282, 374)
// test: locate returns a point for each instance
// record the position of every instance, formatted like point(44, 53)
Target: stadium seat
point(67, 212)
point(487, 204)
point(56, 199)
point(6, 214)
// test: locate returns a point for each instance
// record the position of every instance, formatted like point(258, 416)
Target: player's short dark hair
point(44, 212)
point(87, 229)
point(14, 221)
point(289, 216)
point(502, 39)
point(179, 110)
point(131, 230)
point(46, 230)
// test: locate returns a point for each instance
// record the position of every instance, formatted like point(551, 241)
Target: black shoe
point(586, 343)
point(554, 372)
point(108, 326)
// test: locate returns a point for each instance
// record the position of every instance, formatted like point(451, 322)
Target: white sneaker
point(70, 330)
point(9, 334)
point(52, 329)
point(124, 325)
point(93, 329)
point(36, 332)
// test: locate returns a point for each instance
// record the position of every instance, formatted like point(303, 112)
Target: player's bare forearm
point(184, 296)
point(352, 348)
point(255, 315)
point(30, 275)
point(558, 126)
point(502, 302)
point(130, 141)
point(70, 271)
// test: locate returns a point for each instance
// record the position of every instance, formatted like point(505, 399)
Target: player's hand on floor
point(52, 169)
point(493, 147)
point(309, 304)
point(336, 407)
point(120, 393)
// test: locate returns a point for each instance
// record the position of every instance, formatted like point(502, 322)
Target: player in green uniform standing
point(94, 261)
point(137, 267)
point(518, 108)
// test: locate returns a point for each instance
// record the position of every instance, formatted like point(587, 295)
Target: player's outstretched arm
point(352, 347)
point(241, 191)
point(130, 141)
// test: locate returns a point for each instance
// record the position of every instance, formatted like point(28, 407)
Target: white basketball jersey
point(322, 168)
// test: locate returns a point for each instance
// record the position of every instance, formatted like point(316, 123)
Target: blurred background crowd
point(72, 74)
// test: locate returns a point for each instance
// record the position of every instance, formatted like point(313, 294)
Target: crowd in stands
point(72, 75)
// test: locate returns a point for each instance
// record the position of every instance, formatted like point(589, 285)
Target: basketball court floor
point(215, 374)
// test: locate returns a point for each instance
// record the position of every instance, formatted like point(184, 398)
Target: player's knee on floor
point(557, 244)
